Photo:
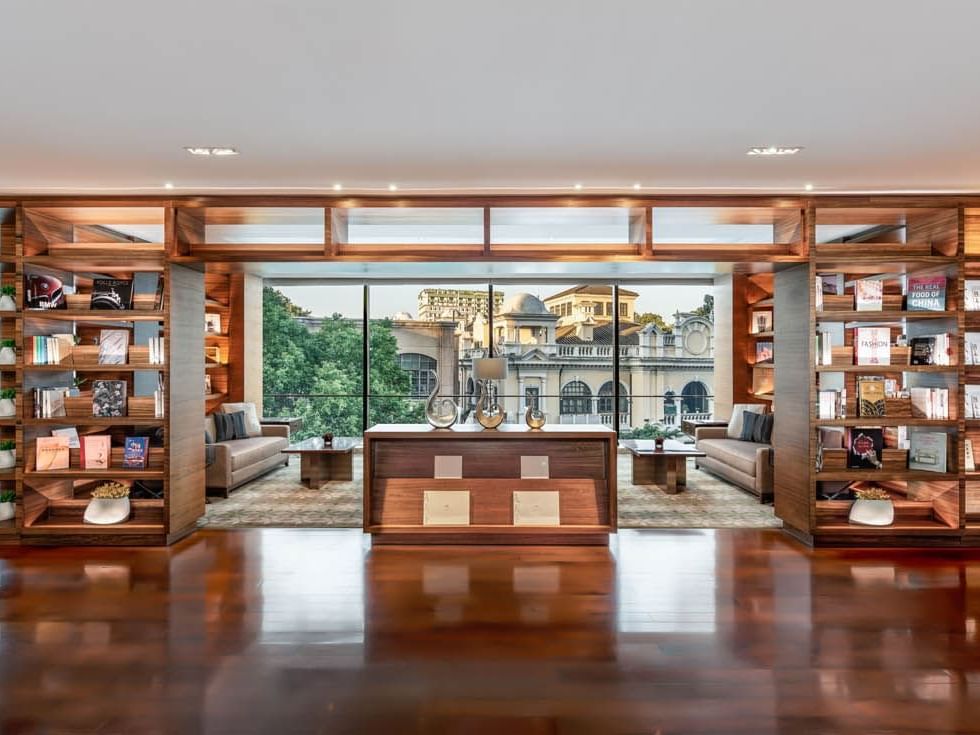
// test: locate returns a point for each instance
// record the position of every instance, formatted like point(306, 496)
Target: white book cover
point(536, 508)
point(921, 402)
point(448, 467)
point(72, 433)
point(872, 345)
point(828, 404)
point(868, 295)
point(113, 346)
point(818, 296)
point(968, 461)
point(446, 508)
point(971, 295)
point(927, 451)
point(972, 401)
point(534, 467)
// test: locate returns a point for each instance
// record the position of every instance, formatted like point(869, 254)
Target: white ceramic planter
point(6, 511)
point(8, 459)
point(7, 407)
point(7, 303)
point(872, 512)
point(8, 356)
point(106, 511)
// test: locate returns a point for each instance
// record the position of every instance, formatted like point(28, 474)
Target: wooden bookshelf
point(752, 380)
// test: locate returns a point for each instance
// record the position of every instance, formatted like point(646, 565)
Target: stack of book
point(51, 350)
point(158, 354)
point(49, 402)
point(930, 403)
point(932, 349)
point(832, 404)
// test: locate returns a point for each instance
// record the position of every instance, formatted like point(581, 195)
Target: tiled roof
point(602, 334)
point(597, 290)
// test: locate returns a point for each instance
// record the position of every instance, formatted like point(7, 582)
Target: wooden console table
point(399, 467)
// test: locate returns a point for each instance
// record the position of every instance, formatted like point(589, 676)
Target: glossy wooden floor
point(294, 631)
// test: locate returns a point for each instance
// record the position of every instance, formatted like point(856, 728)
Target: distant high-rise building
point(455, 305)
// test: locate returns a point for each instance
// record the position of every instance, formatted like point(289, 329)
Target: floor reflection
point(300, 631)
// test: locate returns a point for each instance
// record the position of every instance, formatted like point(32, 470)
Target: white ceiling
point(498, 96)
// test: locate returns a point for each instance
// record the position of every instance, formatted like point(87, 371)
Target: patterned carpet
point(279, 500)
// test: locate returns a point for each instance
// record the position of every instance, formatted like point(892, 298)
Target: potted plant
point(109, 504)
point(8, 455)
point(7, 302)
point(7, 499)
point(7, 406)
point(76, 386)
point(659, 434)
point(8, 352)
point(873, 507)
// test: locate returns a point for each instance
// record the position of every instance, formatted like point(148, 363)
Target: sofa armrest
point(219, 472)
point(711, 432)
point(763, 470)
point(275, 430)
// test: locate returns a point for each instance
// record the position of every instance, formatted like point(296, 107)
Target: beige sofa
point(746, 464)
point(240, 460)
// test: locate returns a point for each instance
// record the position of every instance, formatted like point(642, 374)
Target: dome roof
point(403, 316)
point(525, 303)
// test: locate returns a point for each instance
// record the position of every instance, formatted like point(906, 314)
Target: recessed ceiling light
point(337, 187)
point(168, 185)
point(211, 151)
point(774, 150)
point(808, 187)
point(392, 187)
point(637, 186)
point(578, 187)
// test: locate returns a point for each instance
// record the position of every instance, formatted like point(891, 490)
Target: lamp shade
point(490, 368)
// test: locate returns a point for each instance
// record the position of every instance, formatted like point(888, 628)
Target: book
point(829, 404)
point(158, 300)
point(212, 354)
point(109, 398)
point(96, 451)
point(51, 453)
point(971, 348)
point(536, 508)
point(53, 402)
point(971, 295)
point(761, 322)
point(871, 396)
point(872, 346)
point(868, 294)
point(824, 351)
point(864, 446)
point(925, 293)
point(207, 384)
point(930, 403)
point(818, 295)
point(931, 349)
point(72, 433)
point(968, 462)
point(896, 437)
point(135, 451)
point(113, 346)
point(44, 292)
point(972, 401)
point(832, 283)
point(212, 323)
point(763, 352)
point(112, 293)
point(927, 451)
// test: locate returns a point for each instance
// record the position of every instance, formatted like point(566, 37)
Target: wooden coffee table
point(665, 468)
point(320, 462)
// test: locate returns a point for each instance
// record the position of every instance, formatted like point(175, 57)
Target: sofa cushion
point(735, 422)
point(252, 425)
point(749, 428)
point(246, 452)
point(738, 454)
point(228, 428)
point(209, 427)
point(762, 431)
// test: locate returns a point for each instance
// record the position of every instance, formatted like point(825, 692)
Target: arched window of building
point(420, 369)
point(576, 398)
point(694, 397)
point(605, 403)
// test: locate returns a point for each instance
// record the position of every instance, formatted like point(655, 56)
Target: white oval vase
point(6, 511)
point(8, 459)
point(106, 511)
point(7, 407)
point(7, 303)
point(872, 512)
point(8, 356)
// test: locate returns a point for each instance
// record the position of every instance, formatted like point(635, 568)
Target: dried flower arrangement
point(872, 493)
point(111, 491)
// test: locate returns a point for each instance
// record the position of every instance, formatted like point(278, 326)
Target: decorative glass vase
point(534, 418)
point(441, 413)
point(488, 413)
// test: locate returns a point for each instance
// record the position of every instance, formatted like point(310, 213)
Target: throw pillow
point(252, 424)
point(735, 423)
point(224, 427)
point(238, 422)
point(749, 421)
point(762, 433)
point(208, 439)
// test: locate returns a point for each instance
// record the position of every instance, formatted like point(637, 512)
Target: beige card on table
point(448, 467)
point(534, 467)
point(536, 508)
point(446, 508)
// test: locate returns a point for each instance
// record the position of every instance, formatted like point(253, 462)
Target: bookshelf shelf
point(761, 335)
point(112, 473)
point(94, 315)
point(872, 369)
point(128, 367)
point(883, 475)
point(881, 316)
point(887, 421)
point(95, 421)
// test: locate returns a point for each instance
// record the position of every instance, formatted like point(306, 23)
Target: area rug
point(279, 500)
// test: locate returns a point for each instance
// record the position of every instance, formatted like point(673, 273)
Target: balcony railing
point(667, 349)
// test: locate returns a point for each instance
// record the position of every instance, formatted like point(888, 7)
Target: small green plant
point(78, 382)
point(7, 496)
point(8, 291)
point(9, 393)
point(7, 445)
point(8, 343)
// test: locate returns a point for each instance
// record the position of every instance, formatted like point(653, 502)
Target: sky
point(323, 300)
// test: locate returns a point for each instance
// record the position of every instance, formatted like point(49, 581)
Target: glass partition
point(407, 225)
point(264, 225)
point(725, 225)
point(561, 225)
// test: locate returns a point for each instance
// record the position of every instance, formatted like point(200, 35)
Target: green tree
point(707, 309)
point(648, 317)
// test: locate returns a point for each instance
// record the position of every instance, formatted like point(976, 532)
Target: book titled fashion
point(112, 293)
point(135, 450)
point(864, 447)
point(95, 451)
point(928, 450)
point(51, 453)
point(872, 345)
point(925, 293)
point(871, 396)
point(109, 398)
point(113, 346)
point(868, 294)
